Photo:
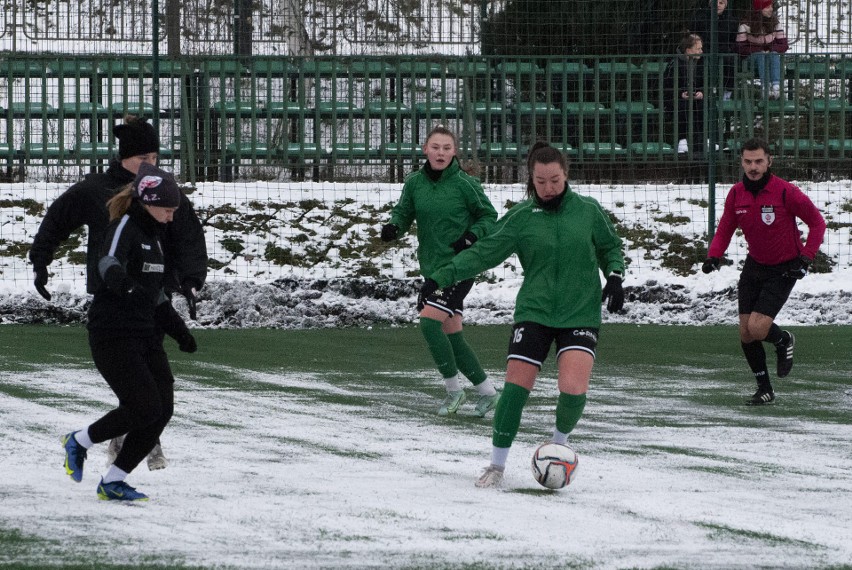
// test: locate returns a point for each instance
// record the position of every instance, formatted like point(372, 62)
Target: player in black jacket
point(128, 311)
point(84, 204)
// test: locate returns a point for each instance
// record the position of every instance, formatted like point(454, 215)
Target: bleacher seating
point(339, 111)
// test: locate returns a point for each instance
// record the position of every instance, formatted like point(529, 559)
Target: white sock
point(486, 388)
point(559, 437)
point(114, 474)
point(452, 383)
point(83, 438)
point(499, 456)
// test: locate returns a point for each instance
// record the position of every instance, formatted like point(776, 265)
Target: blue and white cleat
point(119, 491)
point(75, 455)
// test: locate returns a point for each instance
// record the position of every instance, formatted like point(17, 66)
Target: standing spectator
point(726, 39)
point(447, 204)
point(765, 208)
point(685, 88)
point(762, 39)
point(128, 311)
point(84, 204)
point(563, 241)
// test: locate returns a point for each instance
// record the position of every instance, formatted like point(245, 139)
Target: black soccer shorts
point(530, 342)
point(763, 288)
point(450, 299)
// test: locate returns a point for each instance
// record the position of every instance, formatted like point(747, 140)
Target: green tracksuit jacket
point(444, 211)
point(562, 253)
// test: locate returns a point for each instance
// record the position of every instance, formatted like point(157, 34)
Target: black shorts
point(764, 288)
point(450, 299)
point(530, 342)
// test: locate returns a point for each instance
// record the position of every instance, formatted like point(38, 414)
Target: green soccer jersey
point(562, 253)
point(444, 210)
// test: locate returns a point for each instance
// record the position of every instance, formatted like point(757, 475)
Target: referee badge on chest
point(767, 214)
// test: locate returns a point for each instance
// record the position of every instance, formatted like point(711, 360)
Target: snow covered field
point(267, 472)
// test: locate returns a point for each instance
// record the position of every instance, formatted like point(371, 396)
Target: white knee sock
point(499, 455)
point(452, 383)
point(83, 438)
point(114, 474)
point(486, 388)
point(559, 437)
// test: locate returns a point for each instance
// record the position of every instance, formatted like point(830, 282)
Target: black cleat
point(785, 356)
point(761, 397)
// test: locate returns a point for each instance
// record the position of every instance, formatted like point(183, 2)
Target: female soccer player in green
point(563, 241)
point(452, 212)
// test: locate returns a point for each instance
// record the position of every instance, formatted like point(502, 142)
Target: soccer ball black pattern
point(554, 465)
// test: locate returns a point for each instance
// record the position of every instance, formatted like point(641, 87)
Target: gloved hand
point(129, 287)
point(390, 232)
point(464, 242)
point(711, 264)
point(613, 291)
point(186, 342)
point(798, 268)
point(40, 272)
point(189, 291)
point(426, 290)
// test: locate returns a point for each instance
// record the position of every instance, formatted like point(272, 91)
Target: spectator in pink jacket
point(762, 39)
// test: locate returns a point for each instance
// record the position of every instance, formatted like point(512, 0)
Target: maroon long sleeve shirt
point(768, 222)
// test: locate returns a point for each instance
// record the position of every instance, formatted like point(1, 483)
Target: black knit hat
point(136, 136)
point(155, 187)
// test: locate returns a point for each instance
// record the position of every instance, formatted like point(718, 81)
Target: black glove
point(426, 290)
point(614, 292)
point(40, 272)
point(798, 268)
point(167, 319)
point(186, 342)
point(189, 291)
point(464, 242)
point(390, 232)
point(120, 283)
point(711, 264)
point(130, 288)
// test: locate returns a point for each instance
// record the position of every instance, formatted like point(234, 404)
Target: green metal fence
point(358, 118)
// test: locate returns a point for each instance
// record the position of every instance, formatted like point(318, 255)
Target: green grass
point(658, 355)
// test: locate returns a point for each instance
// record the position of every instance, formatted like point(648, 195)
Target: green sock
point(569, 408)
point(507, 416)
point(439, 347)
point(466, 359)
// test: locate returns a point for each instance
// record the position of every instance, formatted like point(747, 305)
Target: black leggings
point(137, 370)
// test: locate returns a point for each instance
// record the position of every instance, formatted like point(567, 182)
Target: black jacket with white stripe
point(129, 277)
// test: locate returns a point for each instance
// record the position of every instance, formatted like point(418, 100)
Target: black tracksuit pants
point(137, 369)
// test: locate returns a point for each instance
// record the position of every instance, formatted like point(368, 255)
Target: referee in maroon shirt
point(765, 208)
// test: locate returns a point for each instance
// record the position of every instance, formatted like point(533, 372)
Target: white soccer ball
point(554, 465)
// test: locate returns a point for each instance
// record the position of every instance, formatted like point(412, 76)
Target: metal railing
point(359, 118)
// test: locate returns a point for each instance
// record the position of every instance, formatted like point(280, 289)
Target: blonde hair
point(120, 203)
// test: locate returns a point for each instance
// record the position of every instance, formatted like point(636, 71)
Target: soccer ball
point(554, 465)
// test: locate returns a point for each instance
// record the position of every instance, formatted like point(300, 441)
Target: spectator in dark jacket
point(685, 94)
point(763, 40)
point(84, 204)
point(726, 39)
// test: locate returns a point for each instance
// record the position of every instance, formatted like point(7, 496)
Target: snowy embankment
point(308, 255)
